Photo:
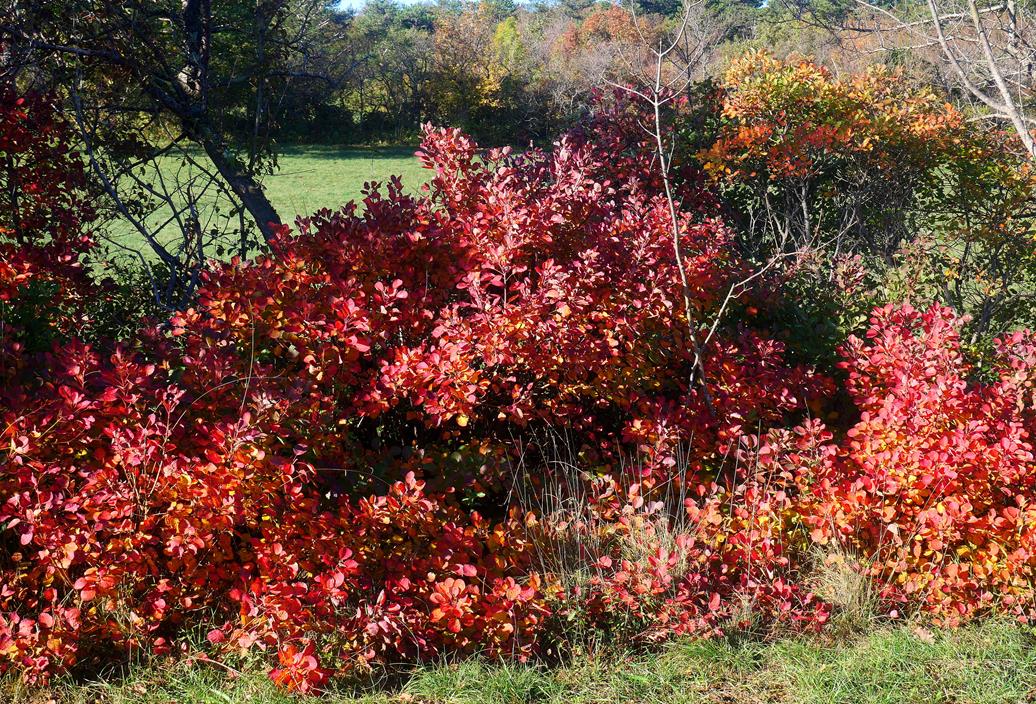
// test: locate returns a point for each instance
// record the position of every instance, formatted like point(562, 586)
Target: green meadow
point(307, 179)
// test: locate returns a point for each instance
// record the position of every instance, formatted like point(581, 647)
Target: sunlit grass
point(307, 179)
point(981, 664)
point(311, 178)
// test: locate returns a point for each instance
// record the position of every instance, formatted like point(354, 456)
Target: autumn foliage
point(327, 458)
point(932, 488)
point(45, 214)
point(873, 168)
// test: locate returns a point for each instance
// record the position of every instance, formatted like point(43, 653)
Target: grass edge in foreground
point(985, 663)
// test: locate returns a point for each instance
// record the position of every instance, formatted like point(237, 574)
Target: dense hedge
point(347, 452)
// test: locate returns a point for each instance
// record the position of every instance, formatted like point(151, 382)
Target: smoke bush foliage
point(316, 459)
point(893, 193)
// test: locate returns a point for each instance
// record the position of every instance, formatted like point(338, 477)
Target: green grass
point(994, 662)
point(311, 178)
point(307, 179)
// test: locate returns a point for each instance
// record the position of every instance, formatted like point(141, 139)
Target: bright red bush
point(135, 507)
point(931, 490)
point(938, 480)
point(121, 514)
point(314, 460)
point(390, 578)
point(129, 518)
point(525, 291)
point(433, 335)
point(44, 215)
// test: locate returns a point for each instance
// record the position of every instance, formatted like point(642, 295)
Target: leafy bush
point(929, 492)
point(936, 205)
point(210, 474)
point(933, 486)
point(525, 291)
point(129, 519)
point(44, 215)
point(317, 460)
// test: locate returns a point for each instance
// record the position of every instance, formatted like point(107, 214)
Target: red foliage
point(121, 512)
point(725, 565)
point(931, 491)
point(525, 290)
point(299, 669)
point(44, 184)
point(934, 486)
point(393, 577)
point(294, 464)
point(126, 521)
point(44, 210)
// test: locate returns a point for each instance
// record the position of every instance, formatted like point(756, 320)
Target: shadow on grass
point(338, 153)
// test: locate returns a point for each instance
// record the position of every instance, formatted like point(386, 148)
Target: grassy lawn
point(309, 178)
point(992, 663)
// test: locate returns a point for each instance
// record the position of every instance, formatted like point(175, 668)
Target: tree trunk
point(198, 25)
point(244, 186)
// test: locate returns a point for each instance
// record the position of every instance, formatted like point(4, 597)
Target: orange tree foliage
point(873, 165)
point(844, 158)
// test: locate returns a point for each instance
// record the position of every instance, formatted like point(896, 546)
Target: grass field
point(308, 179)
point(992, 663)
point(311, 178)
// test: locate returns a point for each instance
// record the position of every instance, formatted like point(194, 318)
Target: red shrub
point(297, 463)
point(429, 334)
point(525, 291)
point(122, 514)
point(933, 487)
point(128, 518)
point(44, 210)
point(402, 576)
point(931, 490)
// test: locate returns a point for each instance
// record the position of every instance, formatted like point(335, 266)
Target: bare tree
point(986, 47)
point(672, 60)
